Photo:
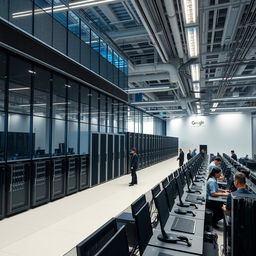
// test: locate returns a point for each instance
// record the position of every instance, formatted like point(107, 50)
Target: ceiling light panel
point(190, 11)
point(192, 41)
point(195, 72)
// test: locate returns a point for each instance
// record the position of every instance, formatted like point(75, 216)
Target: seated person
point(215, 163)
point(233, 155)
point(213, 189)
point(240, 184)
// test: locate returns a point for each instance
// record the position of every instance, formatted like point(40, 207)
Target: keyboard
point(183, 225)
point(194, 198)
point(196, 187)
point(163, 254)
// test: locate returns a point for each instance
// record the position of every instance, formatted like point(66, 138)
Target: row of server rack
point(26, 184)
point(152, 149)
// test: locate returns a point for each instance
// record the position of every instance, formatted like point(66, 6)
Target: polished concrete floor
point(55, 228)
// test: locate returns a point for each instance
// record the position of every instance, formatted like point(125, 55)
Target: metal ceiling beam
point(155, 102)
point(161, 88)
point(234, 99)
point(235, 108)
point(164, 110)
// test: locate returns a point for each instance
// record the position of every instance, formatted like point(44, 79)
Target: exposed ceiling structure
point(186, 56)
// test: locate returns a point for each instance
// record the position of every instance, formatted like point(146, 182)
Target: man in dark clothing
point(189, 155)
point(233, 155)
point(240, 184)
point(181, 157)
point(134, 166)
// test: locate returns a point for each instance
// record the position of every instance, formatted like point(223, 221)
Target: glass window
point(121, 117)
point(121, 64)
point(19, 137)
point(21, 14)
point(110, 55)
point(94, 108)
point(84, 138)
point(72, 139)
point(43, 20)
point(110, 115)
point(58, 137)
point(84, 112)
point(103, 113)
point(115, 114)
point(125, 118)
point(103, 49)
point(116, 62)
point(73, 23)
point(85, 33)
point(19, 85)
point(41, 104)
point(2, 79)
point(130, 119)
point(4, 9)
point(60, 12)
point(41, 135)
point(94, 41)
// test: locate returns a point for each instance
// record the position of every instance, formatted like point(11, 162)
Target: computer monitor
point(143, 227)
point(179, 187)
point(92, 244)
point(169, 195)
point(155, 190)
point(117, 245)
point(137, 205)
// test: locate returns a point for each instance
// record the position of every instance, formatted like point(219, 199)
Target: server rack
point(110, 157)
point(2, 191)
point(18, 187)
point(103, 158)
point(84, 172)
point(58, 178)
point(122, 155)
point(116, 156)
point(40, 182)
point(95, 163)
point(72, 175)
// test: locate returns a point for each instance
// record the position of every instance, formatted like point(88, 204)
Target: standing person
point(202, 153)
point(134, 166)
point(193, 152)
point(181, 157)
point(189, 155)
point(233, 155)
point(213, 189)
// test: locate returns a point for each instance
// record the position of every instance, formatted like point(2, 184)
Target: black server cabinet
point(40, 182)
point(122, 155)
point(116, 156)
point(72, 175)
point(103, 157)
point(94, 163)
point(2, 191)
point(18, 187)
point(110, 157)
point(58, 178)
point(84, 172)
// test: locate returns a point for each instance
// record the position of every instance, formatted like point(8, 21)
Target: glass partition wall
point(46, 114)
point(67, 30)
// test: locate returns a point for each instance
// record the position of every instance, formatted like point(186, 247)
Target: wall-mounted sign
point(198, 123)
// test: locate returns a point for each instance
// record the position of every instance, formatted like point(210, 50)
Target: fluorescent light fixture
point(196, 89)
point(215, 105)
point(36, 104)
point(199, 111)
point(60, 103)
point(198, 106)
point(19, 89)
point(31, 72)
point(67, 85)
point(195, 72)
point(235, 108)
point(190, 11)
point(192, 40)
point(231, 78)
point(197, 95)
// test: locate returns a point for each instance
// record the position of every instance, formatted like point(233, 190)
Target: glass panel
point(85, 33)
point(73, 23)
point(131, 119)
point(59, 93)
point(72, 101)
point(110, 55)
point(84, 138)
point(110, 116)
point(115, 112)
point(43, 20)
point(125, 118)
point(2, 79)
point(103, 113)
point(103, 49)
point(60, 12)
point(72, 139)
point(94, 41)
point(2, 135)
point(41, 104)
point(41, 130)
point(18, 137)
point(4, 9)
point(58, 137)
point(116, 62)
point(84, 112)
point(121, 117)
point(19, 85)
point(94, 107)
point(121, 64)
point(21, 14)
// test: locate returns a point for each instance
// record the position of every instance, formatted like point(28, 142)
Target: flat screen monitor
point(179, 187)
point(117, 245)
point(169, 195)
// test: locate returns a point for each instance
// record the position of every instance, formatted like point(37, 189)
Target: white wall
point(220, 132)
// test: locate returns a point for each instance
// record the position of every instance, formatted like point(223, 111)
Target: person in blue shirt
point(194, 153)
point(240, 184)
point(213, 189)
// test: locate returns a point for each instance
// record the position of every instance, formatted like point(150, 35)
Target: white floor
point(55, 228)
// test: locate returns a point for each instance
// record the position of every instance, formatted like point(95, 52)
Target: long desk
point(156, 251)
